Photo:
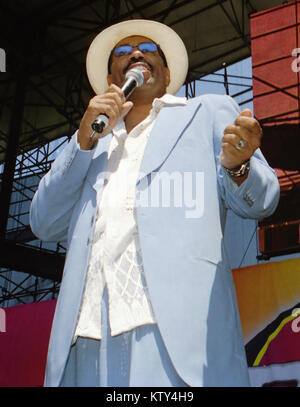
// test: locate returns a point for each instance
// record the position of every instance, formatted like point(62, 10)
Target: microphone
point(133, 79)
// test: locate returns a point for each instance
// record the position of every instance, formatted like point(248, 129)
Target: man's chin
point(150, 81)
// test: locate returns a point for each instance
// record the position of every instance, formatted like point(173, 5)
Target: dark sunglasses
point(144, 47)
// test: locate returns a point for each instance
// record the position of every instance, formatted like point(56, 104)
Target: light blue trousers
point(136, 358)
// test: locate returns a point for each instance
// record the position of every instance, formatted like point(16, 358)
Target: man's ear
point(168, 75)
point(109, 79)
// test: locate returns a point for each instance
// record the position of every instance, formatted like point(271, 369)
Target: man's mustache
point(134, 61)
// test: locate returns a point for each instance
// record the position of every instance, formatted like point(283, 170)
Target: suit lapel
point(97, 170)
point(168, 128)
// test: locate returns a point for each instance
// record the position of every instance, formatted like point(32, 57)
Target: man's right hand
point(111, 103)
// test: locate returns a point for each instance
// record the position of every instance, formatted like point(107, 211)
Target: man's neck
point(136, 115)
point(142, 104)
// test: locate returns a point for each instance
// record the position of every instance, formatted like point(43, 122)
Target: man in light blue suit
point(147, 296)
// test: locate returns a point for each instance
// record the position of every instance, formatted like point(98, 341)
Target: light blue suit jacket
point(186, 265)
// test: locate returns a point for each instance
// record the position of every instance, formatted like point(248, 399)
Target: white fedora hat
point(168, 40)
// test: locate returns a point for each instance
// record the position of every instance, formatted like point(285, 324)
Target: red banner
point(24, 337)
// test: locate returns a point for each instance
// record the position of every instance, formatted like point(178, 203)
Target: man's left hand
point(240, 140)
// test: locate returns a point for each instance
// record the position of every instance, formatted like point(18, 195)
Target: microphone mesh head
point(136, 74)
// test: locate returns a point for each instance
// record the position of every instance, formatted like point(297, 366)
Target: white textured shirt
point(116, 254)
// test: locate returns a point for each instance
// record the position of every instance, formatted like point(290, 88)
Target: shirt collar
point(168, 99)
point(119, 131)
